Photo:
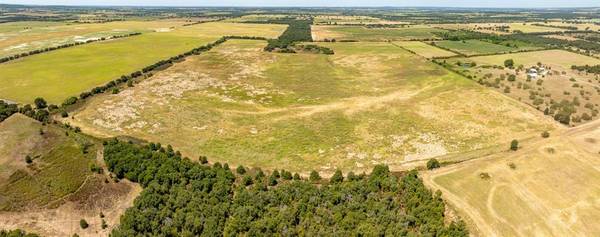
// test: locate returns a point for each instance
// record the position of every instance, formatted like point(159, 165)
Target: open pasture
point(341, 20)
point(550, 187)
point(502, 28)
point(473, 47)
point(361, 33)
point(20, 37)
point(77, 69)
point(424, 49)
point(370, 103)
point(556, 58)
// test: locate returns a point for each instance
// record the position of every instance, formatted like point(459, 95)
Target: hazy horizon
point(319, 3)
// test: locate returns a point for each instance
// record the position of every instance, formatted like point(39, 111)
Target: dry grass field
point(552, 87)
point(496, 27)
point(370, 103)
point(424, 49)
point(550, 187)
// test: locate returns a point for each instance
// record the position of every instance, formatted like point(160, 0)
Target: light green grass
point(424, 49)
point(474, 47)
point(370, 103)
point(67, 72)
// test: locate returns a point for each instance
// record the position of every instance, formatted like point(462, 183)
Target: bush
point(509, 63)
point(337, 177)
point(83, 224)
point(433, 164)
point(64, 114)
point(314, 176)
point(514, 145)
point(545, 134)
point(240, 170)
point(28, 159)
point(40, 103)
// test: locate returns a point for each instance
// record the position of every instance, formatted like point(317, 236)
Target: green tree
point(83, 224)
point(433, 164)
point(509, 63)
point(314, 176)
point(337, 177)
point(240, 170)
point(40, 103)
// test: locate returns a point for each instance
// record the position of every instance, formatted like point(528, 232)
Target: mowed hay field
point(555, 57)
point(473, 47)
point(59, 74)
point(361, 33)
point(553, 189)
point(424, 49)
point(20, 37)
point(370, 103)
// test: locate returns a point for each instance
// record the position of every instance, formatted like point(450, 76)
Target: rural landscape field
point(299, 121)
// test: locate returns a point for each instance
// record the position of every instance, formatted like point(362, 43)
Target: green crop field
point(424, 49)
point(20, 37)
point(77, 69)
point(360, 33)
point(368, 104)
point(474, 47)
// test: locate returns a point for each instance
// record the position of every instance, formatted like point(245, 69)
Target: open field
point(341, 20)
point(20, 37)
point(360, 33)
point(424, 49)
point(370, 103)
point(473, 47)
point(556, 58)
point(501, 28)
point(553, 189)
point(555, 88)
point(81, 68)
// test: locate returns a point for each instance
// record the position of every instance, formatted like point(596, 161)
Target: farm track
point(473, 215)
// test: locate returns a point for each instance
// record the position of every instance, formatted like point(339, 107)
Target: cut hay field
point(77, 69)
point(557, 58)
point(20, 37)
point(553, 188)
point(360, 33)
point(370, 103)
point(474, 47)
point(424, 49)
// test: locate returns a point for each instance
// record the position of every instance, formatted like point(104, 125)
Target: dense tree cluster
point(185, 198)
point(6, 110)
point(16, 233)
point(556, 26)
point(38, 51)
point(297, 31)
point(587, 68)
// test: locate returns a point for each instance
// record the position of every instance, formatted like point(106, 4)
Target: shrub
point(28, 159)
point(240, 170)
point(83, 224)
point(433, 164)
point(314, 176)
point(545, 134)
point(337, 177)
point(514, 145)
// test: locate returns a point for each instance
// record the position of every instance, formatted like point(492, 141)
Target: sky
point(323, 3)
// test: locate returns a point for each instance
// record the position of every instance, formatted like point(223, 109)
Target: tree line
point(186, 198)
point(16, 233)
point(587, 68)
point(38, 51)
